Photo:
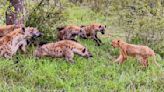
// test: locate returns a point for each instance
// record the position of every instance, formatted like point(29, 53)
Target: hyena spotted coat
point(64, 48)
point(5, 29)
point(70, 32)
point(91, 31)
point(10, 43)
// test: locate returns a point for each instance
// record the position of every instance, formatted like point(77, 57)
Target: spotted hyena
point(91, 31)
point(70, 32)
point(5, 29)
point(10, 43)
point(64, 48)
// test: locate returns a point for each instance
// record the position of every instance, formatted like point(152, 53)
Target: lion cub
point(139, 51)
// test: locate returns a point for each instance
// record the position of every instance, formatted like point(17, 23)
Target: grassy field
point(97, 74)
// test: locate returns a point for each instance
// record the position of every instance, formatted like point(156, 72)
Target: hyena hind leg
point(69, 56)
point(97, 42)
point(98, 39)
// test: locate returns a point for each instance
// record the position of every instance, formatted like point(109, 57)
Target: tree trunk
point(15, 12)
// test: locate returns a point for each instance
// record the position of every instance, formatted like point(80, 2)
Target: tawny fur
point(91, 31)
point(70, 32)
point(64, 48)
point(142, 53)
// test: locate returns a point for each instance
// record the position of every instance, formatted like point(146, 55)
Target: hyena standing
point(91, 31)
point(64, 48)
point(10, 43)
point(70, 32)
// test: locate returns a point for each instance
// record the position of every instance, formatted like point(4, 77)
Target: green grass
point(98, 74)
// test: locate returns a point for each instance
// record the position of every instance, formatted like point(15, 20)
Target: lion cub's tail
point(155, 60)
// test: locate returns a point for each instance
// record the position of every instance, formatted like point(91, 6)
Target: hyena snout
point(102, 31)
point(89, 55)
point(38, 34)
point(86, 53)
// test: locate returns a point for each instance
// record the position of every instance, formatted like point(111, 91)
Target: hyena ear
point(42, 43)
point(23, 29)
point(60, 28)
point(82, 26)
point(105, 26)
point(83, 51)
point(100, 26)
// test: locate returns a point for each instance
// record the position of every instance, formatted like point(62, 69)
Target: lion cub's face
point(115, 43)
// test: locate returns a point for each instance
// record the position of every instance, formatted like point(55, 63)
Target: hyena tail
point(60, 28)
point(155, 60)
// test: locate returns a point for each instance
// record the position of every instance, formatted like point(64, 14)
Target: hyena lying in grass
point(70, 32)
point(10, 43)
point(91, 31)
point(64, 48)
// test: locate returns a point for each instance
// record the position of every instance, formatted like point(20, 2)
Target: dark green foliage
point(45, 17)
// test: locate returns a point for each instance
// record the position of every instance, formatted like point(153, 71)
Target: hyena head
point(32, 32)
point(82, 33)
point(100, 28)
point(84, 52)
